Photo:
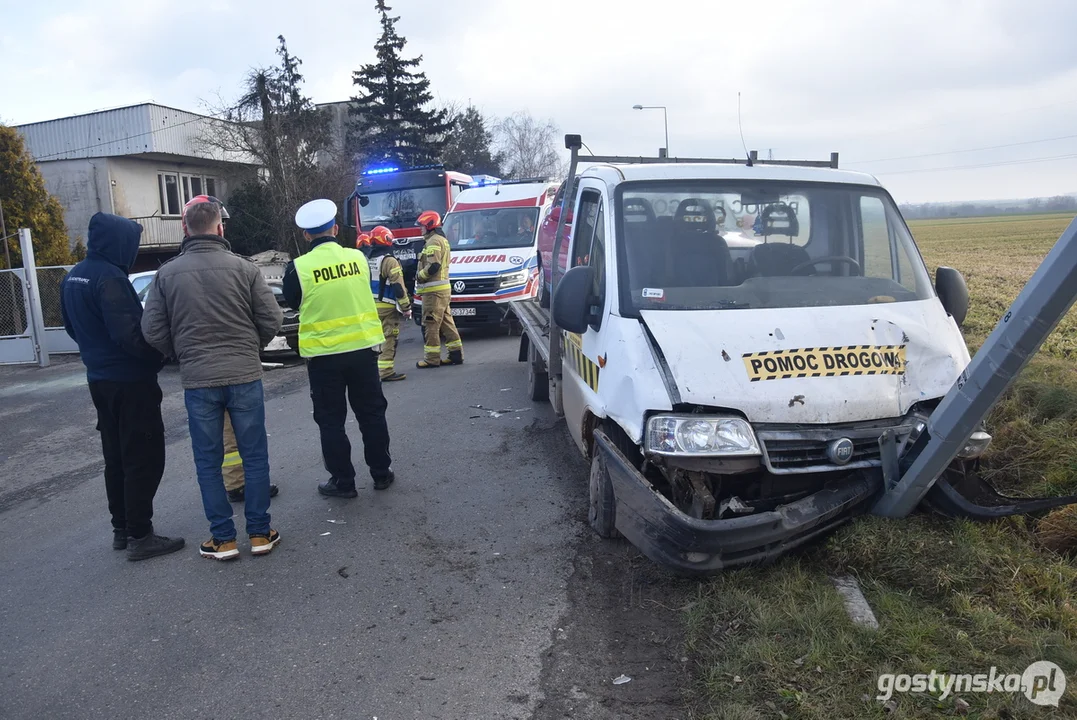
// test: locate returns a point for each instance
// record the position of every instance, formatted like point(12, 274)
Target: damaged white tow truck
point(733, 347)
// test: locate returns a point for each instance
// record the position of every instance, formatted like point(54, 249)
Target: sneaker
point(383, 481)
point(219, 549)
point(263, 544)
point(152, 545)
point(338, 488)
point(238, 495)
point(119, 539)
point(395, 377)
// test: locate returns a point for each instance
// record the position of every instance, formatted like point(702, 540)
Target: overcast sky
point(878, 80)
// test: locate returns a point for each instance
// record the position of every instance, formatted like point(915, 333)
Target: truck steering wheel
point(829, 258)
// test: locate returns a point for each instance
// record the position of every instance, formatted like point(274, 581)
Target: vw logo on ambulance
point(458, 286)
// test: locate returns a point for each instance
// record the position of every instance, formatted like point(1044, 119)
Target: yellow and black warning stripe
point(585, 366)
point(842, 361)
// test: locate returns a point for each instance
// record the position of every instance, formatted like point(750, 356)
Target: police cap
point(317, 216)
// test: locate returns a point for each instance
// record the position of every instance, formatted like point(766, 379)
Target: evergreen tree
point(391, 121)
point(468, 146)
point(27, 204)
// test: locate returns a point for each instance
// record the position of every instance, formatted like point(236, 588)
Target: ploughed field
point(950, 596)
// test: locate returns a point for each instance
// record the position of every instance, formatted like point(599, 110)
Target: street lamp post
point(664, 152)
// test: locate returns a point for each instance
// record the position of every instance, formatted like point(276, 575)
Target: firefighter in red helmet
point(390, 296)
point(432, 282)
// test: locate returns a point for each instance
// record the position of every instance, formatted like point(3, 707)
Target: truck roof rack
point(752, 159)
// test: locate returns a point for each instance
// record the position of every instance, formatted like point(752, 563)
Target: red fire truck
point(393, 196)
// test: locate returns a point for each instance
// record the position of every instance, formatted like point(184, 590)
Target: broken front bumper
point(671, 538)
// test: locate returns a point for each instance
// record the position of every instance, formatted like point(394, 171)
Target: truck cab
point(492, 229)
point(731, 343)
point(393, 196)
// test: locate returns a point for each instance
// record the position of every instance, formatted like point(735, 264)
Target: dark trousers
point(336, 380)
point(133, 442)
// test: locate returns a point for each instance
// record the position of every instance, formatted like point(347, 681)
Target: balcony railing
point(160, 232)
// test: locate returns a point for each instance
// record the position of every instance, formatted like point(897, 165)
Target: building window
point(195, 185)
point(168, 185)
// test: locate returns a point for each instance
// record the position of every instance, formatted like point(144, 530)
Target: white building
point(142, 162)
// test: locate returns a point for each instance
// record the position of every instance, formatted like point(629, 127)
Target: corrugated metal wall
point(125, 131)
point(137, 130)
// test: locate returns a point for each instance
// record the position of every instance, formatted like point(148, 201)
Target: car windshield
point(492, 228)
point(722, 244)
point(396, 209)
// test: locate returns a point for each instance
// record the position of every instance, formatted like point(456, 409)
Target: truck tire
point(538, 378)
point(602, 510)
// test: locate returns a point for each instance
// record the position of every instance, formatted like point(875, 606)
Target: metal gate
point(50, 282)
point(16, 336)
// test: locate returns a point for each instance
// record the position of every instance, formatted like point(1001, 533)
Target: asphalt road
point(471, 589)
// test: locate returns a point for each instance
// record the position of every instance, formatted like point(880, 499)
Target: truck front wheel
point(538, 379)
point(602, 513)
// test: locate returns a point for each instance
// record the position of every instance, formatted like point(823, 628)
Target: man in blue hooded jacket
point(103, 315)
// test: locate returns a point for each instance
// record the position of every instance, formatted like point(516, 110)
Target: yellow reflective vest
point(337, 314)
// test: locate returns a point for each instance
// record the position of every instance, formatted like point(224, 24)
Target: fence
point(13, 320)
point(31, 324)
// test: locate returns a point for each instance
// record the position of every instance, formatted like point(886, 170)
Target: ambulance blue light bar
point(483, 180)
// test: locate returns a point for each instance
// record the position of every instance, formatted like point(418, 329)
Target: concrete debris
point(621, 680)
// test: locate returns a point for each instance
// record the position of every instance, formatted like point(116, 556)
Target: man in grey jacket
point(214, 312)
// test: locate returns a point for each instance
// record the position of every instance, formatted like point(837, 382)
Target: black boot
point(238, 495)
point(119, 539)
point(456, 357)
point(338, 488)
point(152, 545)
point(381, 482)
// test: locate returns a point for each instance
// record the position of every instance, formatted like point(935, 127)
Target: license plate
point(462, 311)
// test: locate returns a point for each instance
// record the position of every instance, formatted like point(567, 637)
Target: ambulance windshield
point(491, 228)
point(718, 244)
point(400, 208)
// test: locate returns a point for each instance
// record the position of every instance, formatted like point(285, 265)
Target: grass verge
point(951, 596)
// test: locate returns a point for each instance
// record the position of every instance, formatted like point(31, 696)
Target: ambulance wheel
point(544, 294)
point(602, 511)
point(538, 379)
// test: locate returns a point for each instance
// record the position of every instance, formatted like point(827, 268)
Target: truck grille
point(474, 286)
point(802, 450)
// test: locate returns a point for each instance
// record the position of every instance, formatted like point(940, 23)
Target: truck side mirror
point(953, 293)
point(349, 211)
point(571, 301)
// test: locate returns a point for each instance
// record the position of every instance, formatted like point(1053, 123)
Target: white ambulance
point(492, 229)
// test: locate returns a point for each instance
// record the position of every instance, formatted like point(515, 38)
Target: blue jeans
point(205, 417)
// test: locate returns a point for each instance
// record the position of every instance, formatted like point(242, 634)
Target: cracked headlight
point(700, 435)
point(512, 279)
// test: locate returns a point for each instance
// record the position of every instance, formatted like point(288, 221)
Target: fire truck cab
point(393, 196)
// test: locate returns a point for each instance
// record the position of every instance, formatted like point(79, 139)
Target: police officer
point(432, 282)
point(390, 295)
point(339, 335)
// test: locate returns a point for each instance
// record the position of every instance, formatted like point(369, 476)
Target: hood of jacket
point(113, 238)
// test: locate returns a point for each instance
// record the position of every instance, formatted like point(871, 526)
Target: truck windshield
point(492, 228)
point(718, 244)
point(400, 208)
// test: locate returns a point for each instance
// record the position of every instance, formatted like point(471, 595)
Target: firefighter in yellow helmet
point(432, 282)
point(339, 336)
point(390, 295)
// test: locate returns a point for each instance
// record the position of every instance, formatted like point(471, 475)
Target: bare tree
point(528, 146)
point(274, 123)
